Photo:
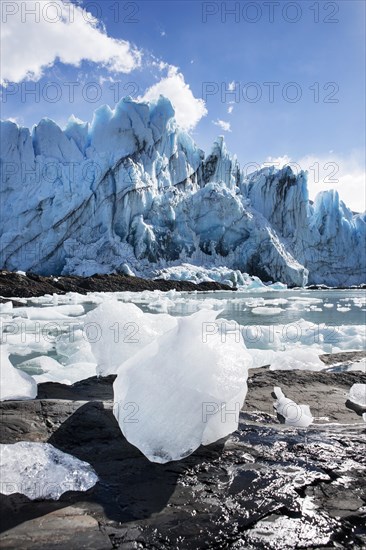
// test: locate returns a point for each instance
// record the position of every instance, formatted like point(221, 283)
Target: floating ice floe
point(294, 415)
point(51, 313)
point(297, 359)
point(14, 383)
point(184, 389)
point(39, 365)
point(40, 471)
point(357, 394)
point(47, 369)
point(75, 347)
point(267, 310)
point(304, 333)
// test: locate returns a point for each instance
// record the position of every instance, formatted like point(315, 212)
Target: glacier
point(132, 191)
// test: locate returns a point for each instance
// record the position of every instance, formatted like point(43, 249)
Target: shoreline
point(30, 285)
point(261, 478)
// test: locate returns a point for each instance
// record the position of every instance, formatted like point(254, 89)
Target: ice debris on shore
point(184, 389)
point(357, 395)
point(40, 471)
point(294, 414)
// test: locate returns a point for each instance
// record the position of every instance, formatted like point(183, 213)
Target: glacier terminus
point(132, 188)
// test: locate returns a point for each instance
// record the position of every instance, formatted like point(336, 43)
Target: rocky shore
point(267, 486)
point(28, 285)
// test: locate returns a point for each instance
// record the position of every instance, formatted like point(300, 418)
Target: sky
point(283, 81)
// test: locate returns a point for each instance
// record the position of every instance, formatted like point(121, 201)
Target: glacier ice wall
point(132, 187)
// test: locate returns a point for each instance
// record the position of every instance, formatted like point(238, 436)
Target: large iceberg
point(132, 188)
point(117, 331)
point(184, 389)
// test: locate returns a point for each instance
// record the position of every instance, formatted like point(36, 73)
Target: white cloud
point(63, 31)
point(230, 109)
point(231, 86)
point(278, 162)
point(188, 109)
point(225, 126)
point(345, 174)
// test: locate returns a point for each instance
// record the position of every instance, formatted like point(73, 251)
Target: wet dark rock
point(31, 285)
point(267, 486)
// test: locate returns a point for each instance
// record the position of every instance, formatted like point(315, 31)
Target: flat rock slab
point(265, 486)
point(326, 393)
point(53, 530)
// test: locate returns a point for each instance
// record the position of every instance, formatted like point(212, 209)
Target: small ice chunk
point(184, 389)
point(40, 471)
point(357, 394)
point(14, 384)
point(294, 415)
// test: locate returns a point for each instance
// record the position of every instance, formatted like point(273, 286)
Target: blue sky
point(310, 51)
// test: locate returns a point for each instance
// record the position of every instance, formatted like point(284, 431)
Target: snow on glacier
point(131, 191)
point(40, 471)
point(199, 386)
